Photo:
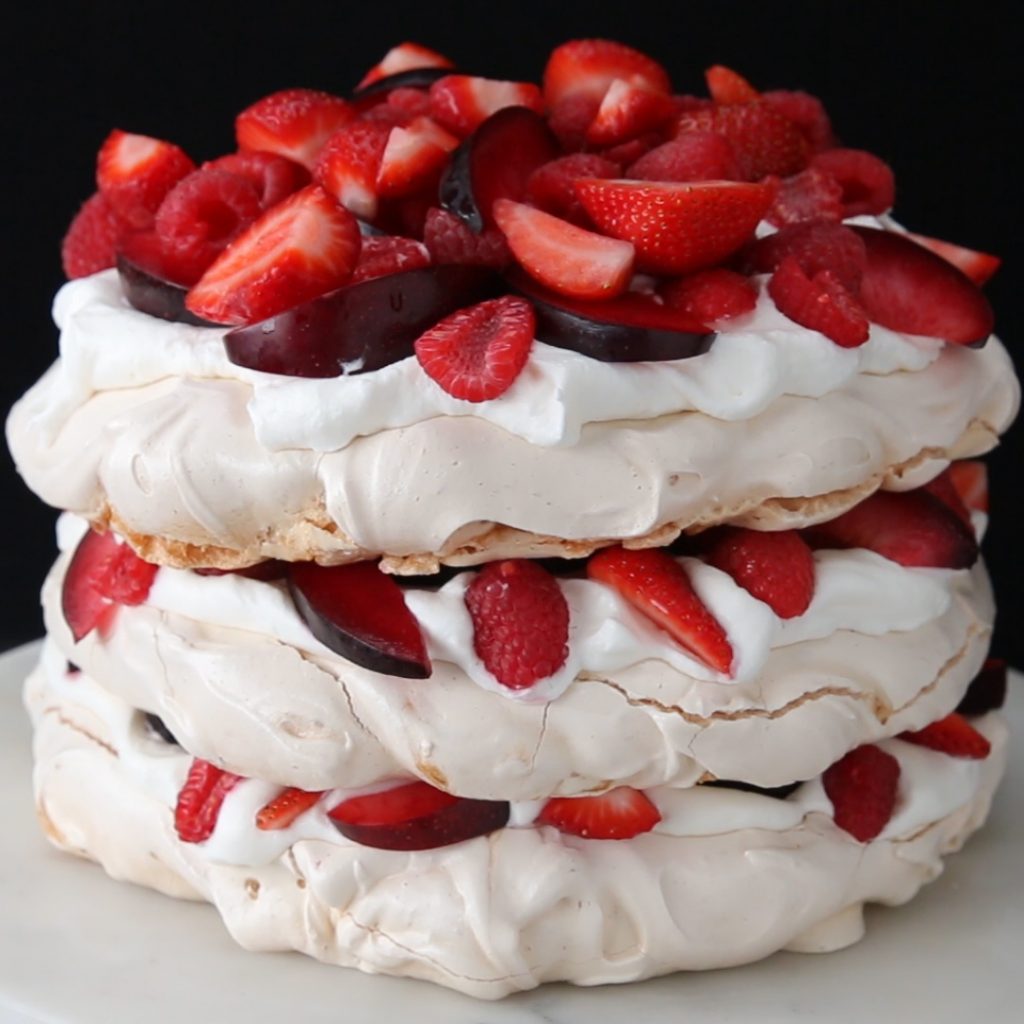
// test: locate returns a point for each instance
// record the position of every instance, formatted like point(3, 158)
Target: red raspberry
point(550, 186)
point(520, 622)
point(695, 156)
point(810, 195)
point(90, 244)
point(868, 184)
point(821, 303)
point(807, 112)
point(570, 118)
point(815, 246)
point(711, 295)
point(627, 153)
point(450, 240)
point(381, 255)
point(862, 787)
point(273, 176)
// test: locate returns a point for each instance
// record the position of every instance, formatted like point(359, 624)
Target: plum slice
point(416, 816)
point(359, 612)
point(415, 78)
point(150, 291)
point(495, 162)
point(361, 327)
point(632, 328)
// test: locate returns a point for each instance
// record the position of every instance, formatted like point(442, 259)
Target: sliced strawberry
point(942, 487)
point(450, 240)
point(765, 142)
point(299, 249)
point(90, 244)
point(587, 67)
point(570, 118)
point(987, 691)
point(657, 585)
point(565, 258)
point(392, 806)
point(294, 123)
point(621, 813)
point(413, 157)
point(404, 57)
point(135, 172)
point(711, 295)
point(807, 112)
point(676, 227)
point(626, 112)
point(952, 735)
point(274, 177)
point(815, 246)
point(978, 266)
point(776, 567)
point(970, 478)
point(349, 165)
point(728, 87)
point(912, 528)
point(820, 303)
point(695, 156)
point(810, 195)
point(477, 353)
point(381, 255)
point(550, 186)
point(200, 800)
point(285, 808)
point(863, 787)
point(520, 622)
point(103, 573)
point(868, 184)
point(907, 288)
point(462, 103)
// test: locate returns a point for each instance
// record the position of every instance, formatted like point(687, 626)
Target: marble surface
point(77, 948)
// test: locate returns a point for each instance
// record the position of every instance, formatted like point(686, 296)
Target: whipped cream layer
point(232, 668)
point(728, 877)
point(148, 424)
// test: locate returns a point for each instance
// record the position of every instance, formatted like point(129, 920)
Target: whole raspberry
point(711, 295)
point(91, 242)
point(450, 240)
point(862, 787)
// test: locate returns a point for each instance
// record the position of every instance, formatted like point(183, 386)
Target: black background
point(930, 87)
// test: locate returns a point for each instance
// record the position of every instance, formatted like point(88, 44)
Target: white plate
point(76, 947)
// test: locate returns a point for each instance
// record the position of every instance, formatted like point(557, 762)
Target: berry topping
point(350, 163)
point(863, 787)
point(676, 227)
point(461, 103)
point(273, 176)
point(978, 266)
point(382, 255)
point(728, 87)
point(907, 288)
point(200, 800)
point(149, 279)
point(90, 244)
point(952, 735)
point(808, 196)
point(912, 528)
point(103, 574)
point(587, 67)
point(413, 157)
point(294, 123)
point(777, 567)
point(987, 691)
point(360, 613)
point(570, 118)
point(416, 816)
point(626, 112)
point(520, 622)
point(807, 112)
point(551, 186)
point(695, 156)
point(867, 182)
point(820, 303)
point(943, 488)
point(299, 249)
point(621, 813)
point(477, 353)
point(135, 172)
point(285, 808)
point(711, 295)
point(450, 240)
point(970, 478)
point(817, 246)
point(565, 258)
point(402, 58)
point(657, 585)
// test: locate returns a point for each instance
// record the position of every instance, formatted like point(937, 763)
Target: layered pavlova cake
point(517, 533)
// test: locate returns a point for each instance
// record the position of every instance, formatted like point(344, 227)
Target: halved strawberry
point(404, 57)
point(285, 808)
point(711, 295)
point(587, 67)
point(412, 157)
point(520, 621)
point(477, 353)
point(551, 186)
point(676, 227)
point(274, 177)
point(952, 735)
point(987, 691)
point(863, 787)
point(103, 574)
point(294, 123)
point(970, 478)
point(90, 244)
point(908, 288)
point(462, 103)
point(200, 800)
point(978, 266)
point(626, 112)
point(449, 239)
point(567, 259)
point(695, 156)
point(621, 813)
point(657, 585)
point(349, 165)
point(135, 172)
point(867, 182)
point(776, 567)
point(727, 86)
point(912, 528)
point(821, 303)
point(299, 249)
point(381, 255)
point(810, 195)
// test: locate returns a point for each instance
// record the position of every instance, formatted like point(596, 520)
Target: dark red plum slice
point(149, 292)
point(415, 78)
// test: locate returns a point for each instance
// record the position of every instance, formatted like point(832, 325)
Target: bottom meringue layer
point(519, 907)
